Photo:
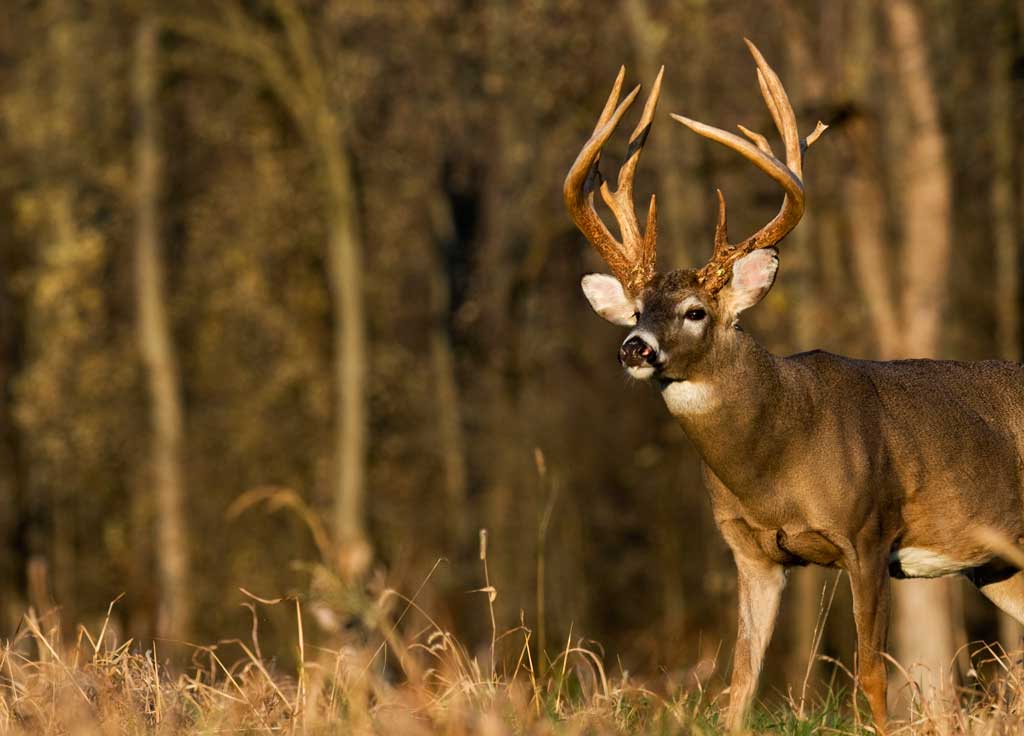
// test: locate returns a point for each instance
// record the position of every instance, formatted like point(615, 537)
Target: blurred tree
point(291, 68)
point(443, 363)
point(156, 345)
point(1005, 221)
point(924, 624)
point(903, 294)
point(12, 469)
point(905, 289)
point(73, 398)
point(805, 249)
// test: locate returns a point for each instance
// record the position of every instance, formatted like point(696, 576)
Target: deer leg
point(1001, 584)
point(760, 584)
point(870, 588)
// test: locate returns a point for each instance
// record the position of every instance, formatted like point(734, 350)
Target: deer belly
point(920, 562)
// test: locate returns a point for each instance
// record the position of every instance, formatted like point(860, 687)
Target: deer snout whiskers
point(640, 354)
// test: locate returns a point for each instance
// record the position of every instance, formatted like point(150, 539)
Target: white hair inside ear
point(752, 277)
point(609, 299)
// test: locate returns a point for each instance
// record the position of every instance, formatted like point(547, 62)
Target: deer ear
point(752, 277)
point(609, 299)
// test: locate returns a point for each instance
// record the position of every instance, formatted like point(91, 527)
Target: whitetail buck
point(883, 469)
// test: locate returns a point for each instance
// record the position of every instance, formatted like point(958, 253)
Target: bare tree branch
point(243, 38)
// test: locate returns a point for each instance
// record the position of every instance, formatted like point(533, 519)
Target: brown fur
point(813, 458)
point(842, 460)
point(820, 459)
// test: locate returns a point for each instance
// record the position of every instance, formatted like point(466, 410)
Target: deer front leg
point(760, 584)
point(870, 587)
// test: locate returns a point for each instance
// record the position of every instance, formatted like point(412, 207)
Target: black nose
point(635, 353)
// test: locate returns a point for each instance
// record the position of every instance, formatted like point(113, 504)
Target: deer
point(883, 469)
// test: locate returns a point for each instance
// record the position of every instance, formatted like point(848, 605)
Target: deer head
point(680, 319)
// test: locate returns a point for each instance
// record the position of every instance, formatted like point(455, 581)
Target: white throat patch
point(689, 397)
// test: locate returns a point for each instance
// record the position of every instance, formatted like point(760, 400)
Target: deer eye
point(695, 314)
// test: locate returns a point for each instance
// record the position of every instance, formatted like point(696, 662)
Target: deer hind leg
point(1001, 584)
point(760, 584)
point(870, 588)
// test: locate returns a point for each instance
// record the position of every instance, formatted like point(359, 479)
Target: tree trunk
point(157, 348)
point(864, 198)
point(326, 131)
point(926, 188)
point(908, 325)
point(345, 272)
point(923, 619)
point(12, 478)
point(863, 191)
point(1004, 226)
point(295, 75)
point(451, 442)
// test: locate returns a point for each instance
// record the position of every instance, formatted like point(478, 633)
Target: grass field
point(420, 682)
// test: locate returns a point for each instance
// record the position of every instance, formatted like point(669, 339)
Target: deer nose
point(635, 352)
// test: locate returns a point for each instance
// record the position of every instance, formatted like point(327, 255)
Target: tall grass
point(403, 673)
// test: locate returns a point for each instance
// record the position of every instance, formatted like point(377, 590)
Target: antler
point(716, 273)
point(632, 260)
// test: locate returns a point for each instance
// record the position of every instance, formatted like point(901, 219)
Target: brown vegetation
point(257, 246)
point(412, 676)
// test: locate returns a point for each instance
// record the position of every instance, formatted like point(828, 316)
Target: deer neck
point(728, 405)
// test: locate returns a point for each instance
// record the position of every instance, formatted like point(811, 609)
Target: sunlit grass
point(398, 671)
point(96, 687)
point(411, 679)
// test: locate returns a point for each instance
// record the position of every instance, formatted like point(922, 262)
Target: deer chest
point(806, 547)
point(792, 548)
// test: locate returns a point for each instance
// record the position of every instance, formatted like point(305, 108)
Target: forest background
point(288, 287)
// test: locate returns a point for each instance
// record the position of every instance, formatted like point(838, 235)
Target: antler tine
point(762, 160)
point(620, 202)
point(639, 136)
point(715, 274)
point(611, 103)
point(721, 228)
point(632, 260)
point(584, 176)
point(759, 140)
point(782, 111)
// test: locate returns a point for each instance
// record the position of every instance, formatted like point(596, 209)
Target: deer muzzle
point(636, 352)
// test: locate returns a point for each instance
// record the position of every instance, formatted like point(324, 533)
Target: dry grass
point(405, 674)
point(424, 682)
